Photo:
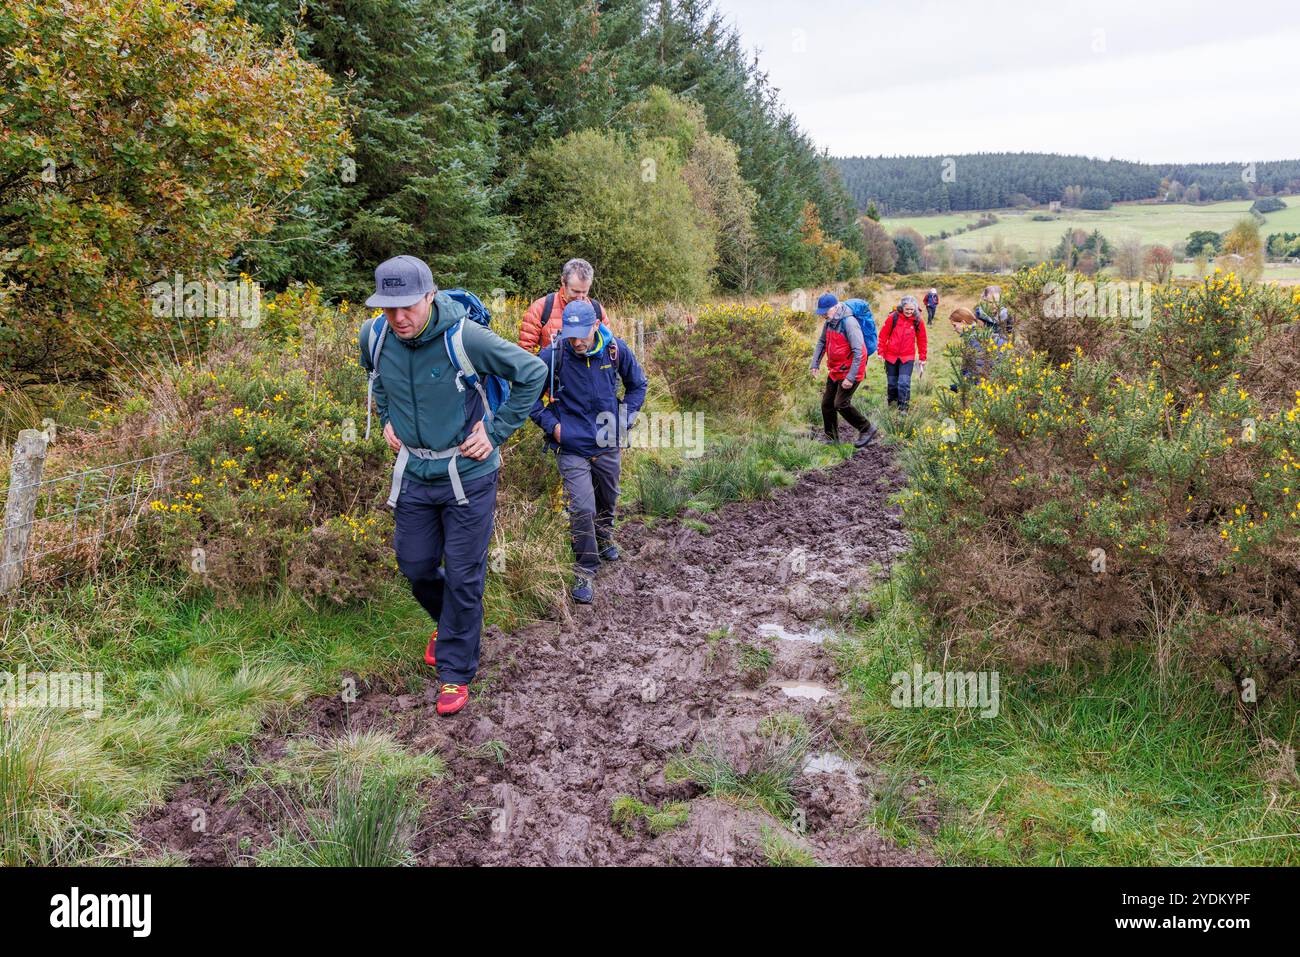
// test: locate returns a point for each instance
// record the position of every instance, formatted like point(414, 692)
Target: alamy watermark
point(66, 690)
point(652, 430)
point(208, 299)
point(946, 689)
point(1115, 300)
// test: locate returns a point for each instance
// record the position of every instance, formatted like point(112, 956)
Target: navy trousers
point(442, 549)
point(898, 383)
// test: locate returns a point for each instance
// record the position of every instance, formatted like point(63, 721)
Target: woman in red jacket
point(902, 341)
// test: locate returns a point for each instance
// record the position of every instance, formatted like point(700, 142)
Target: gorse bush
point(734, 357)
point(283, 480)
point(1145, 484)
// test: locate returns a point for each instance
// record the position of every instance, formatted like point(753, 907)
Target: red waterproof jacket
point(901, 339)
point(839, 354)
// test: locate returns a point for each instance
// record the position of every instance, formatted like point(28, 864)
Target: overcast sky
point(1124, 79)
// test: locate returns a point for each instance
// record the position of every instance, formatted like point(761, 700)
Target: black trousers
point(837, 399)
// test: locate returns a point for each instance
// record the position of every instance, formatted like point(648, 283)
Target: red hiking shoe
point(451, 698)
point(428, 652)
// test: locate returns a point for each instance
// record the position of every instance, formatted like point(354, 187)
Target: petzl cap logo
point(401, 281)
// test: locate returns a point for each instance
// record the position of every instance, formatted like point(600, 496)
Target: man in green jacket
point(444, 484)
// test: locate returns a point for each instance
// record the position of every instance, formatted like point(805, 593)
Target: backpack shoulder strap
point(378, 330)
point(600, 311)
point(375, 331)
point(545, 317)
point(454, 339)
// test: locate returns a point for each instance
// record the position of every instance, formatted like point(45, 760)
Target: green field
point(1273, 272)
point(1164, 223)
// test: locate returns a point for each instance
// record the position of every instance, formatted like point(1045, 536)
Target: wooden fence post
point(20, 505)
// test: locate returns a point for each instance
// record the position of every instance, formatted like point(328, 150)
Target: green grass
point(311, 764)
point(626, 811)
point(732, 469)
point(1273, 272)
point(781, 851)
point(755, 662)
point(783, 724)
point(184, 678)
point(1116, 768)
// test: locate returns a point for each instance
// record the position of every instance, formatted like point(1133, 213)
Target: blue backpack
point(492, 389)
point(862, 312)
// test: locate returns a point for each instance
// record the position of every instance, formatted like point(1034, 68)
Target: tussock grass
point(732, 469)
point(366, 824)
point(754, 662)
point(768, 783)
point(311, 764)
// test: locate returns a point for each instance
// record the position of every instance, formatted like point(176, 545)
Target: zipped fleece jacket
point(416, 390)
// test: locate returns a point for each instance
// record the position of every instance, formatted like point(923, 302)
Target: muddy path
point(693, 640)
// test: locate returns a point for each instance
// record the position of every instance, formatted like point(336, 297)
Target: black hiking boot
point(865, 437)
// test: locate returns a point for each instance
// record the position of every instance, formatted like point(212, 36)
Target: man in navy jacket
point(586, 424)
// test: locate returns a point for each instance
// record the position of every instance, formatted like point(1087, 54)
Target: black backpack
point(893, 319)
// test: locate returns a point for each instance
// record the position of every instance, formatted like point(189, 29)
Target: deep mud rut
point(593, 707)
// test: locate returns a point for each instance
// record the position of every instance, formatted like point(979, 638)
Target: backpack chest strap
point(429, 455)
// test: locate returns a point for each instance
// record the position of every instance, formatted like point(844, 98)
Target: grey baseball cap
point(401, 281)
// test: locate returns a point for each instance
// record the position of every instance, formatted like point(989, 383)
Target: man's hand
point(556, 433)
point(816, 372)
point(391, 438)
point(476, 445)
point(920, 368)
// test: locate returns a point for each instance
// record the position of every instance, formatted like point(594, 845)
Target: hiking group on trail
point(451, 392)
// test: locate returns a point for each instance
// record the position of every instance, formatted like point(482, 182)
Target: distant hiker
point(902, 340)
point(543, 317)
point(992, 314)
point(931, 304)
point(429, 390)
point(842, 342)
point(586, 425)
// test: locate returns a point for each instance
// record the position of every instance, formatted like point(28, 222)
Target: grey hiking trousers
point(591, 488)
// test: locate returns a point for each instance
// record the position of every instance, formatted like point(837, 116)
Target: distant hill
point(924, 184)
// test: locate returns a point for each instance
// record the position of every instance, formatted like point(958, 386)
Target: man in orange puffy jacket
point(543, 318)
point(902, 341)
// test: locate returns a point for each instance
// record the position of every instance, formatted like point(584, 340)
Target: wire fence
point(51, 521)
